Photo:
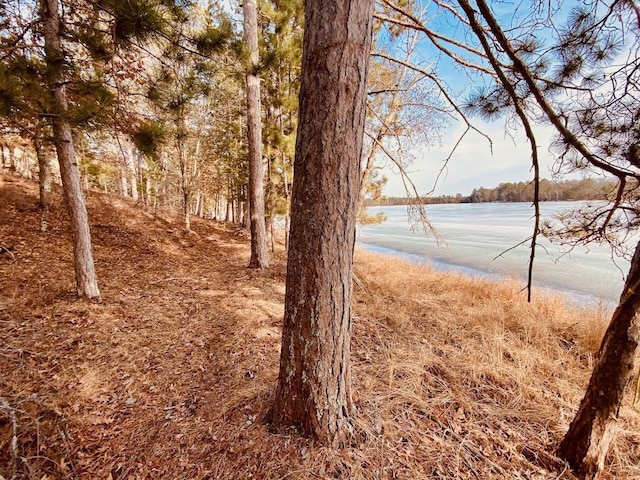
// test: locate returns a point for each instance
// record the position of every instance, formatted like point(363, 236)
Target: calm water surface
point(475, 234)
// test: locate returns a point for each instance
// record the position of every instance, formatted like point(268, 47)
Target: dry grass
point(171, 375)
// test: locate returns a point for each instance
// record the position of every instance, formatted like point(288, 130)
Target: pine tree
point(259, 254)
point(82, 41)
point(86, 280)
point(314, 390)
point(281, 51)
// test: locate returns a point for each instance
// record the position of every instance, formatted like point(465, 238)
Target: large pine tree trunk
point(259, 256)
point(86, 281)
point(314, 391)
point(586, 443)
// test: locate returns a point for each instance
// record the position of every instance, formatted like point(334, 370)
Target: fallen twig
point(7, 250)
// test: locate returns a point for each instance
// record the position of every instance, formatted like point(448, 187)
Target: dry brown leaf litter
point(171, 375)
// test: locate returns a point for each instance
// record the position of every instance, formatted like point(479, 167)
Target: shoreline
point(573, 297)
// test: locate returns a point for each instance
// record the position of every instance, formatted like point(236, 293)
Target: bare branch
point(417, 210)
point(438, 84)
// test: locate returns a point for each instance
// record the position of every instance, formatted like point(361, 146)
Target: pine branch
point(517, 102)
point(555, 118)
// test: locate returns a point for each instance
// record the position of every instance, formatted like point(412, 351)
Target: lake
point(475, 234)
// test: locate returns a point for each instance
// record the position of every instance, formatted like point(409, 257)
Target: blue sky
point(474, 164)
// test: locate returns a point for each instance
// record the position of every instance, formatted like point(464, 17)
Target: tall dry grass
point(471, 374)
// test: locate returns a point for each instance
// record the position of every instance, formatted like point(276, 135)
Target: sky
point(475, 163)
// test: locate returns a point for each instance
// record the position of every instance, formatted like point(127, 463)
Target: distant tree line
point(584, 189)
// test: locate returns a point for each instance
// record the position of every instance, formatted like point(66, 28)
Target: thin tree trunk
point(5, 160)
point(314, 386)
point(185, 186)
point(147, 190)
point(133, 175)
point(196, 207)
point(259, 255)
point(44, 178)
point(238, 214)
point(270, 209)
point(134, 186)
point(86, 281)
point(124, 184)
point(586, 443)
point(287, 214)
point(268, 222)
point(12, 161)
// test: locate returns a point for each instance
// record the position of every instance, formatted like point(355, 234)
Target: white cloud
point(473, 164)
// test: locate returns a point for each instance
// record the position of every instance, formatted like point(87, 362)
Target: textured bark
point(259, 254)
point(44, 179)
point(314, 393)
point(86, 281)
point(586, 443)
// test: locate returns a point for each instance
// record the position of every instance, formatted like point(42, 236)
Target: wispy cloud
point(475, 162)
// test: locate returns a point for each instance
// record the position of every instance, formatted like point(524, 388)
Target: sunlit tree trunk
point(586, 443)
point(229, 215)
point(134, 186)
point(12, 160)
point(86, 281)
point(314, 387)
point(133, 173)
point(124, 184)
point(259, 255)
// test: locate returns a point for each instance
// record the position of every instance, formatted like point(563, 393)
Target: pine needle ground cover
point(172, 374)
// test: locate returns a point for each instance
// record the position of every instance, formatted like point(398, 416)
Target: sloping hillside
point(171, 375)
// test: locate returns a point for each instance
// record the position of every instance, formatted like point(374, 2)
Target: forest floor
point(171, 375)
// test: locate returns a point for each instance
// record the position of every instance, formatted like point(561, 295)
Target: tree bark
point(287, 215)
point(229, 215)
point(314, 389)
point(86, 281)
point(259, 255)
point(185, 180)
point(124, 184)
point(13, 164)
point(586, 443)
point(134, 187)
point(44, 178)
point(5, 160)
point(133, 174)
